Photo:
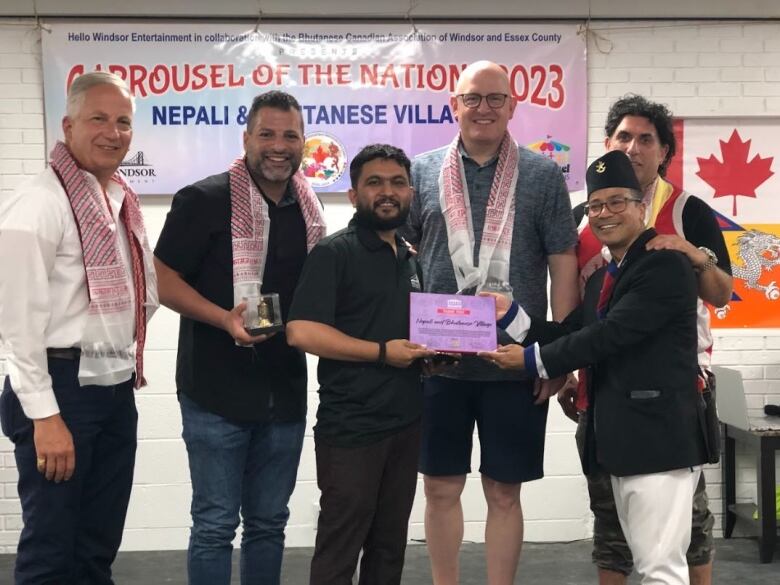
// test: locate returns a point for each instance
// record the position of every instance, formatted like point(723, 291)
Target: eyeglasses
point(473, 100)
point(615, 205)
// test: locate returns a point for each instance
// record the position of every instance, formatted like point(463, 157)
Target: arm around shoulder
point(715, 284)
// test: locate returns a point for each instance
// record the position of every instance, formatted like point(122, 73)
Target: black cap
point(611, 170)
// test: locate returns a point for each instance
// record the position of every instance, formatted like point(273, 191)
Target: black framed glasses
point(615, 205)
point(473, 100)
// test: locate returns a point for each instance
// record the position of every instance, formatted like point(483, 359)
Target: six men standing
point(486, 215)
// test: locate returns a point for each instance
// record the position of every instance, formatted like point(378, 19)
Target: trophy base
point(264, 330)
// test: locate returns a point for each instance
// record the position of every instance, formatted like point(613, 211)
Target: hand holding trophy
point(501, 292)
point(263, 314)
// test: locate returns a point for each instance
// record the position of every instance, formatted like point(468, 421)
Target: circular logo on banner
point(324, 160)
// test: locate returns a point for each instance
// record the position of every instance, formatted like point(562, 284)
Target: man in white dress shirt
point(77, 289)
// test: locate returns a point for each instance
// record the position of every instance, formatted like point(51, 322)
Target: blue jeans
point(244, 467)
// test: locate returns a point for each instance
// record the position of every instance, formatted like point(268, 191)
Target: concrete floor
point(542, 564)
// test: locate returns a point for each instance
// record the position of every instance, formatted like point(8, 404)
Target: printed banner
point(732, 164)
point(357, 84)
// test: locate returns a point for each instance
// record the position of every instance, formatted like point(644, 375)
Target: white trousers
point(655, 513)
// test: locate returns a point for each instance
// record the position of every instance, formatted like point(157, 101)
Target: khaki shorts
point(610, 550)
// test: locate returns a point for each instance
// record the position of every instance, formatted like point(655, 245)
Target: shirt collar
point(288, 198)
point(465, 156)
point(649, 191)
point(371, 240)
point(637, 248)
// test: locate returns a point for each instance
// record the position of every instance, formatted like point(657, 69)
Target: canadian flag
point(732, 165)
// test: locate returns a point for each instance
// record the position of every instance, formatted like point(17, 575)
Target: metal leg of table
point(728, 472)
point(766, 501)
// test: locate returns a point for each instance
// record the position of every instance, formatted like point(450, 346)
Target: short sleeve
point(315, 295)
point(185, 237)
point(557, 229)
point(702, 229)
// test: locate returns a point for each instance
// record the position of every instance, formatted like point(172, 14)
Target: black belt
point(63, 353)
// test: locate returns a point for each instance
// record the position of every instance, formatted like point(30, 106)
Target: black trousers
point(72, 530)
point(367, 496)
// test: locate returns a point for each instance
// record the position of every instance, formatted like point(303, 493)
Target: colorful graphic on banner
point(357, 84)
point(732, 164)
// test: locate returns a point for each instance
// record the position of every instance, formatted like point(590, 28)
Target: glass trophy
point(494, 285)
point(263, 315)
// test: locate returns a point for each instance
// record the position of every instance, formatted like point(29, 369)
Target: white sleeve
point(518, 328)
point(516, 322)
point(29, 234)
point(540, 371)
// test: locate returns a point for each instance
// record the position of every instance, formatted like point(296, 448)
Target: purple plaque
point(453, 323)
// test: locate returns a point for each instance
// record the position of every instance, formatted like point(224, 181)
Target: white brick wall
point(697, 69)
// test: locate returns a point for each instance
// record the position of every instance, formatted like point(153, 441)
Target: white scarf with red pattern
point(250, 225)
point(110, 298)
point(499, 217)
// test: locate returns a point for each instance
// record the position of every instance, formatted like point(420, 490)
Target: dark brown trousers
point(367, 496)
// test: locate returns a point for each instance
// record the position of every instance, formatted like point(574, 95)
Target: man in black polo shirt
point(351, 308)
point(243, 398)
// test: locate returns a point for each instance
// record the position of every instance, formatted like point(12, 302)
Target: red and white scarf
point(496, 240)
point(110, 299)
point(250, 225)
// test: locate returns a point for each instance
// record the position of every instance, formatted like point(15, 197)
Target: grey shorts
point(610, 550)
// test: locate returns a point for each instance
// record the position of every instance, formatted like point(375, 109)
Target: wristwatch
point(712, 260)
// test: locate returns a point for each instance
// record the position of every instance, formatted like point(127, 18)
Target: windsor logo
point(137, 169)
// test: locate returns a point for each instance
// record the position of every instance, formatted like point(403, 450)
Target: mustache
point(383, 200)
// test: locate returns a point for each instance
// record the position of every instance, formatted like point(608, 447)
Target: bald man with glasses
point(487, 212)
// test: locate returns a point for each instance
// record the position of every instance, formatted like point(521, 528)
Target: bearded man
point(351, 308)
point(229, 238)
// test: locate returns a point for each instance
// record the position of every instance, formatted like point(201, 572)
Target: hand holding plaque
point(506, 357)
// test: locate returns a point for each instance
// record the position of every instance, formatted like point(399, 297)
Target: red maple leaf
point(319, 155)
point(735, 176)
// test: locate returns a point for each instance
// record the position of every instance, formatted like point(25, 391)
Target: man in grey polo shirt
point(464, 241)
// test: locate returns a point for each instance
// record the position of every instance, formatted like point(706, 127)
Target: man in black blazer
point(635, 332)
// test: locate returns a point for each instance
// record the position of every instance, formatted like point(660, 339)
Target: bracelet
point(381, 360)
point(712, 260)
